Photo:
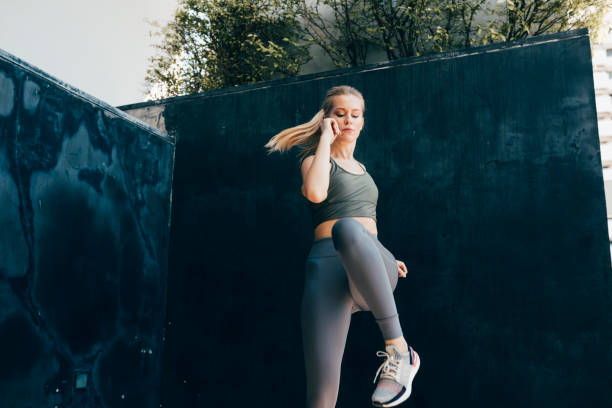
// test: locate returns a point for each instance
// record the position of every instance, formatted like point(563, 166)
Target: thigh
point(388, 258)
point(325, 317)
point(390, 263)
point(391, 271)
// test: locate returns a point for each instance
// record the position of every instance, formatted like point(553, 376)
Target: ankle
point(399, 343)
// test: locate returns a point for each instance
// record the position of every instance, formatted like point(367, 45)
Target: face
point(347, 112)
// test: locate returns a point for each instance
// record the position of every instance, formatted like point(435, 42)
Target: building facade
point(602, 78)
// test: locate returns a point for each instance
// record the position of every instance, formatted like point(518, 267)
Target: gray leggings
point(348, 272)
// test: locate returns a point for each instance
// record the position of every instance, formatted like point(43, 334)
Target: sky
point(100, 47)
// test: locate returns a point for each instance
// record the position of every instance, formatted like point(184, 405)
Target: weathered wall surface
point(84, 226)
point(488, 167)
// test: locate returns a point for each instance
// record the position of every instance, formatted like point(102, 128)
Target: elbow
point(314, 196)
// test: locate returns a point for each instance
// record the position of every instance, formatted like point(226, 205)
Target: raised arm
point(315, 176)
point(315, 168)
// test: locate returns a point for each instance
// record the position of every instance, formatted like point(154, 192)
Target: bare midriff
point(323, 230)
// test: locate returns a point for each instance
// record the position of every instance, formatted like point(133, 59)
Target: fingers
point(401, 267)
point(331, 124)
point(335, 127)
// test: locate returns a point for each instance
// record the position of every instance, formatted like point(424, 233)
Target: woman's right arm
point(315, 169)
point(315, 174)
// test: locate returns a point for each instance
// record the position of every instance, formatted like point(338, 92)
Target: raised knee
point(344, 231)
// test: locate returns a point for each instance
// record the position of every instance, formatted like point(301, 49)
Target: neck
point(344, 154)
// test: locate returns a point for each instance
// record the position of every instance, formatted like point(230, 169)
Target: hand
point(401, 269)
point(329, 127)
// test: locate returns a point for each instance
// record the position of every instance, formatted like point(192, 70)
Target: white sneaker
point(396, 375)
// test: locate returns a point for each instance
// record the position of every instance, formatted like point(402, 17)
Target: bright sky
point(100, 47)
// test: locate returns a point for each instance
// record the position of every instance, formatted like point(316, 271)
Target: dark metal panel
point(491, 191)
point(84, 228)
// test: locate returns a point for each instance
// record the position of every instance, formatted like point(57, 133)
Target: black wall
point(84, 228)
point(491, 191)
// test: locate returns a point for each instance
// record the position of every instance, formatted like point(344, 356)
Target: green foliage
point(214, 44)
point(521, 19)
point(400, 28)
point(404, 28)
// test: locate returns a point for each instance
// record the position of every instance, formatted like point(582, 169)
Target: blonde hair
point(306, 136)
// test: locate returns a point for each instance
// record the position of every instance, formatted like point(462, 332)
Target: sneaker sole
point(406, 394)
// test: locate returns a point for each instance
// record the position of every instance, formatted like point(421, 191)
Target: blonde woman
point(347, 269)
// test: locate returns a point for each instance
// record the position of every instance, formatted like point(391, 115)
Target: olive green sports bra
point(348, 195)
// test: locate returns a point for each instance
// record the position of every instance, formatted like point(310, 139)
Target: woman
point(347, 269)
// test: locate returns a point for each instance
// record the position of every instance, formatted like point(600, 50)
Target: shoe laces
point(390, 368)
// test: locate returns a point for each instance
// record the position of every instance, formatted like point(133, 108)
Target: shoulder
point(307, 162)
point(308, 159)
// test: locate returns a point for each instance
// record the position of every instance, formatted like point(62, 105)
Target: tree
point(521, 19)
point(405, 28)
point(343, 36)
point(214, 44)
point(400, 28)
